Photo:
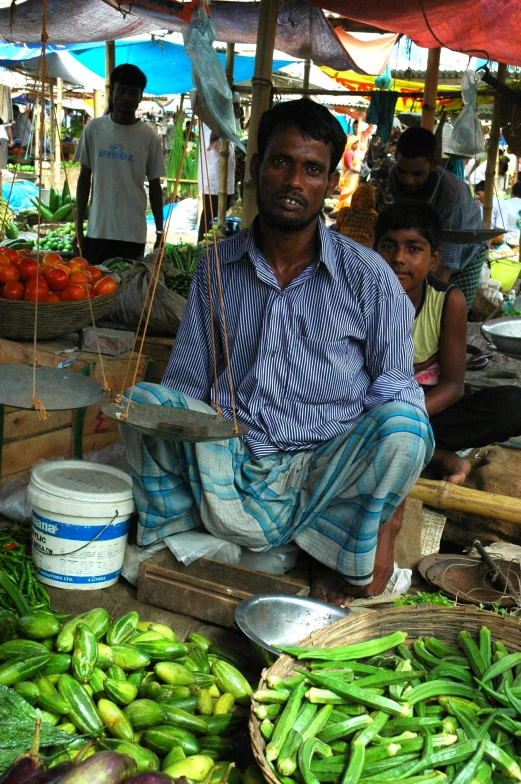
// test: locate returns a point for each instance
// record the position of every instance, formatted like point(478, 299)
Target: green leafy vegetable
point(423, 597)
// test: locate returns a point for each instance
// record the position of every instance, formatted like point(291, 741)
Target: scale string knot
point(218, 410)
point(40, 408)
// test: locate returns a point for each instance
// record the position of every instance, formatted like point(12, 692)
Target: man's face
point(292, 180)
point(413, 173)
point(126, 98)
point(480, 196)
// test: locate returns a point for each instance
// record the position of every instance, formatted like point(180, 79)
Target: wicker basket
point(54, 319)
point(421, 621)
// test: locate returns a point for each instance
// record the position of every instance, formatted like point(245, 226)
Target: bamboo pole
point(224, 156)
point(493, 143)
point(52, 135)
point(57, 138)
point(260, 99)
point(305, 80)
point(431, 88)
point(98, 111)
point(445, 495)
point(110, 64)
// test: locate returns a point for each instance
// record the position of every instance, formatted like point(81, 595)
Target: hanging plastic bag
point(467, 138)
point(214, 97)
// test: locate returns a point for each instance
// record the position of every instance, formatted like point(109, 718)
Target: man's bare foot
point(329, 586)
point(450, 466)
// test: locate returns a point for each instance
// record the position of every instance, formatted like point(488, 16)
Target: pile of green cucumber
point(381, 711)
point(133, 688)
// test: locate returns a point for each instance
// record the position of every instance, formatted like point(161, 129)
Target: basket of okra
point(412, 695)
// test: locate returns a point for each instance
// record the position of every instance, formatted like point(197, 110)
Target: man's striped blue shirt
point(306, 361)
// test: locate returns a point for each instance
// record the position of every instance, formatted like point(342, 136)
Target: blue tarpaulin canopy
point(167, 67)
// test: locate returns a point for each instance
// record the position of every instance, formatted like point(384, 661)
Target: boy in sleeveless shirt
point(408, 237)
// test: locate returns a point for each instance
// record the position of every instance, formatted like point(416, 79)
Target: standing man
point(321, 358)
point(416, 175)
point(117, 152)
point(208, 177)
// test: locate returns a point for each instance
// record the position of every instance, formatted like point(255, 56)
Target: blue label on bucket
point(79, 533)
point(64, 578)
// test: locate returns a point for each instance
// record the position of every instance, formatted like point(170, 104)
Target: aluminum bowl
point(504, 334)
point(277, 619)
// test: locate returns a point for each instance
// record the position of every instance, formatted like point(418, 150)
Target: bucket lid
point(82, 481)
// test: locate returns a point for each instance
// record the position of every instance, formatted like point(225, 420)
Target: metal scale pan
point(59, 390)
point(173, 424)
point(470, 236)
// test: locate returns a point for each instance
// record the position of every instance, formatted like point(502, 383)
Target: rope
point(152, 287)
point(205, 172)
point(37, 404)
point(223, 316)
point(105, 385)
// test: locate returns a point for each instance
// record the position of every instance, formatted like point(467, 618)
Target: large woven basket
point(54, 319)
point(421, 621)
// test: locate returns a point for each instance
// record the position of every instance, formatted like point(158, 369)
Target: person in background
point(208, 177)
point(408, 237)
point(350, 172)
point(117, 153)
point(6, 141)
point(22, 127)
point(416, 175)
point(358, 221)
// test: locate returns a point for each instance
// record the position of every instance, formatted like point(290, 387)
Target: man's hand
point(157, 243)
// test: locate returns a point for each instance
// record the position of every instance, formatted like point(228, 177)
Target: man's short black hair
point(410, 214)
point(129, 75)
point(417, 143)
point(516, 190)
point(479, 186)
point(312, 120)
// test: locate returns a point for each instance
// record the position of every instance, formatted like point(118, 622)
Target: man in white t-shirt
point(208, 176)
point(506, 213)
point(117, 152)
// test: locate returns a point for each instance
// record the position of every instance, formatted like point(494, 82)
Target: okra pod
point(473, 654)
point(505, 663)
point(267, 711)
point(353, 693)
point(502, 760)
point(362, 650)
point(318, 723)
point(287, 760)
point(355, 766)
point(345, 728)
point(271, 696)
point(285, 722)
point(306, 752)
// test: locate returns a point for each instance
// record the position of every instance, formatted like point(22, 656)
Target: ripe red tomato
point(30, 294)
point(27, 268)
point(4, 259)
point(39, 281)
point(13, 290)
point(8, 274)
point(57, 279)
point(53, 298)
point(11, 254)
point(81, 277)
point(105, 286)
point(96, 273)
point(73, 293)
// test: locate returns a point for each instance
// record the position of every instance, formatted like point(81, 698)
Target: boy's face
point(410, 256)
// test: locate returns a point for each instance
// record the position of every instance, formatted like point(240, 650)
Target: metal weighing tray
point(504, 335)
point(470, 237)
point(59, 390)
point(173, 424)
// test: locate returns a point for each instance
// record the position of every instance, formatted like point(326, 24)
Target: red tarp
point(487, 29)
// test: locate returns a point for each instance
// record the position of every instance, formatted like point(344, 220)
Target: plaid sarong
point(468, 279)
point(330, 501)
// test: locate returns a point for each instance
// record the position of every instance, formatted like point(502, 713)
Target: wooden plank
point(21, 454)
point(158, 349)
point(22, 423)
point(19, 475)
point(99, 440)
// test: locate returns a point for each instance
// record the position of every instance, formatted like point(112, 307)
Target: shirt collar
point(326, 253)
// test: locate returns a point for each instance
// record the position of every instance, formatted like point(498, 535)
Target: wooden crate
point(158, 349)
point(207, 589)
point(24, 438)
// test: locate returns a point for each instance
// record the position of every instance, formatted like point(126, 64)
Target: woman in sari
point(351, 164)
point(358, 221)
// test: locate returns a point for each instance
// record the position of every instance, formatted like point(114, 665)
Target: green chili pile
point(20, 591)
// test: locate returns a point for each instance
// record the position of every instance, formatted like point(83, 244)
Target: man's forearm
point(82, 199)
point(156, 202)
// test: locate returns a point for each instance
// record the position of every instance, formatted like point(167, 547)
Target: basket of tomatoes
point(66, 292)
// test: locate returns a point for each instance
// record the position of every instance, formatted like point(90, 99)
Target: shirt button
point(273, 352)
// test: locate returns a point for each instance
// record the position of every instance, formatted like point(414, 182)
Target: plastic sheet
point(214, 97)
point(23, 191)
point(467, 138)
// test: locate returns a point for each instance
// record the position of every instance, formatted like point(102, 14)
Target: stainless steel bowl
point(504, 334)
point(276, 619)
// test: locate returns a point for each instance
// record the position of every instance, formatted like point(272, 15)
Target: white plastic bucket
point(73, 503)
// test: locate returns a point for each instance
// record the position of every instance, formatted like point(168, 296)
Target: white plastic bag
point(467, 138)
point(191, 545)
point(134, 555)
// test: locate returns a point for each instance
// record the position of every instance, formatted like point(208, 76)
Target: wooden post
point(52, 135)
point(493, 143)
point(260, 98)
point(110, 64)
point(431, 88)
point(97, 103)
point(305, 80)
point(222, 202)
point(57, 138)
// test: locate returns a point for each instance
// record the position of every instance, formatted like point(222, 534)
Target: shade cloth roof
point(483, 28)
point(60, 64)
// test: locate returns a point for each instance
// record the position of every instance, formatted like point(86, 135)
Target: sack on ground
point(167, 307)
